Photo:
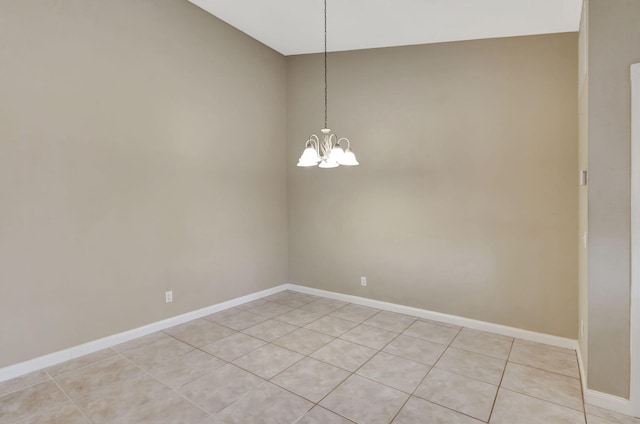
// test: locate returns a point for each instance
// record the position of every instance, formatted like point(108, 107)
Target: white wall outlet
point(168, 297)
point(363, 281)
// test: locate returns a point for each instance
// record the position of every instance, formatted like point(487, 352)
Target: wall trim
point(600, 399)
point(19, 369)
point(634, 331)
point(607, 401)
point(583, 374)
point(446, 318)
point(603, 400)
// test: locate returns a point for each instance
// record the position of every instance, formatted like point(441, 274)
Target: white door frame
point(634, 389)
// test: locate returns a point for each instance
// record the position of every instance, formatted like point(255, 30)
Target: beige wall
point(140, 151)
point(614, 37)
point(465, 200)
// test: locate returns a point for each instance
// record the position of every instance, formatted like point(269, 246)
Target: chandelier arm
point(314, 142)
point(345, 139)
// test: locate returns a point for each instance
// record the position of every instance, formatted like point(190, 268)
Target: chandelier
point(326, 151)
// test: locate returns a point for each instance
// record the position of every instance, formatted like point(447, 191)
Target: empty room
point(320, 211)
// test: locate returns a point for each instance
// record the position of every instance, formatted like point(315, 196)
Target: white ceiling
point(296, 26)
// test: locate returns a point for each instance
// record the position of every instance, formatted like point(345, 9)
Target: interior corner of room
point(151, 149)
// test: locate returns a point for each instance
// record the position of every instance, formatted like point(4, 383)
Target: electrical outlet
point(363, 281)
point(168, 297)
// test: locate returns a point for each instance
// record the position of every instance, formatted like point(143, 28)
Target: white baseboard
point(599, 399)
point(583, 374)
point(592, 397)
point(45, 361)
point(449, 319)
point(607, 401)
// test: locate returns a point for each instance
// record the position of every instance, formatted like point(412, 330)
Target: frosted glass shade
point(328, 163)
point(348, 159)
point(336, 154)
point(309, 157)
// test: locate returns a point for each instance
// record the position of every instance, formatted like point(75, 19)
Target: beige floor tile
point(344, 354)
point(270, 309)
point(323, 306)
point(373, 337)
point(183, 369)
point(22, 382)
point(294, 300)
point(270, 330)
point(365, 401)
point(219, 388)
point(420, 411)
point(133, 382)
point(484, 343)
point(394, 371)
point(141, 341)
point(213, 419)
point(512, 408)
point(100, 377)
point(545, 346)
point(417, 350)
point(34, 401)
point(444, 324)
point(473, 365)
point(266, 404)
point(145, 400)
point(199, 332)
point(268, 360)
point(81, 362)
point(319, 415)
point(391, 321)
point(289, 296)
point(154, 353)
point(331, 326)
point(299, 317)
point(545, 357)
point(594, 419)
point(280, 296)
point(232, 347)
point(225, 313)
point(610, 415)
point(303, 341)
point(355, 313)
point(545, 385)
point(238, 320)
point(311, 379)
point(252, 305)
point(431, 332)
point(468, 396)
point(166, 408)
point(67, 414)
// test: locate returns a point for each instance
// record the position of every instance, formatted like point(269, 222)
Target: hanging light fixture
point(326, 151)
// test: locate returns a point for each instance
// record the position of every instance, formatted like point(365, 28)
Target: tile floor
point(295, 358)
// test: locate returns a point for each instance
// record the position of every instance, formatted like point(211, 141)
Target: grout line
point(350, 374)
point(167, 386)
point(27, 386)
point(504, 370)
point(71, 399)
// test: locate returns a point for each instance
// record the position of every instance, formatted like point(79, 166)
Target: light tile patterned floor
point(295, 358)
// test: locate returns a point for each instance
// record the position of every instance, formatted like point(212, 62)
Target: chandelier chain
point(325, 63)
